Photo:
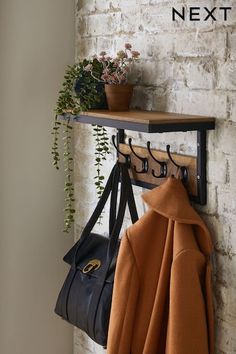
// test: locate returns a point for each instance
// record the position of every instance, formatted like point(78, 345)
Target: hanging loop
point(163, 165)
point(144, 160)
point(183, 169)
point(126, 156)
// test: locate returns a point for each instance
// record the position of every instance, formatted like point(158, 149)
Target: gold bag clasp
point(94, 264)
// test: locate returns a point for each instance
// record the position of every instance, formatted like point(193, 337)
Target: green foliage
point(102, 149)
point(69, 186)
point(73, 102)
point(70, 104)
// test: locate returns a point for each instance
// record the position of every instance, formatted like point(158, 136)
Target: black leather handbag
point(85, 298)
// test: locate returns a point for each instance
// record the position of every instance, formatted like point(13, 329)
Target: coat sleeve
point(188, 327)
point(124, 301)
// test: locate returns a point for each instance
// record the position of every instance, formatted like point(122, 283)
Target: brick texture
point(185, 67)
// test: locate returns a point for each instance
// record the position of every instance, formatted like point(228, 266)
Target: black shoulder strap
point(131, 200)
point(126, 195)
point(113, 201)
point(125, 191)
point(97, 211)
point(130, 197)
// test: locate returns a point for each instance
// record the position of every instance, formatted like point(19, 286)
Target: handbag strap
point(131, 199)
point(97, 212)
point(119, 169)
point(125, 196)
point(113, 201)
point(112, 247)
point(114, 193)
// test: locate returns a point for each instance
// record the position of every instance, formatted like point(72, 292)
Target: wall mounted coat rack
point(148, 164)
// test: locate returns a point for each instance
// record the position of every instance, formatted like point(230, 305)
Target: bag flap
point(94, 247)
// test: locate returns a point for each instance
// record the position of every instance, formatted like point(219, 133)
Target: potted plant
point(115, 75)
point(80, 92)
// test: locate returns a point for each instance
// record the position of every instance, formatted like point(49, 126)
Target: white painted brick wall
point(186, 67)
point(232, 45)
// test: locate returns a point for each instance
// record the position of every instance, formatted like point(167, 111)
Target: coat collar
point(171, 201)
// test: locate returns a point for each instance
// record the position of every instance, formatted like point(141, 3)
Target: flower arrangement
point(115, 70)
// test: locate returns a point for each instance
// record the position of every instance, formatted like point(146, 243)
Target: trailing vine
point(69, 186)
point(69, 104)
point(102, 148)
point(55, 150)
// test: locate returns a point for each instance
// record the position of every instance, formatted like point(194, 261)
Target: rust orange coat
point(162, 300)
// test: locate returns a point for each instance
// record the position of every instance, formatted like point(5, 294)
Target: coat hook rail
point(160, 165)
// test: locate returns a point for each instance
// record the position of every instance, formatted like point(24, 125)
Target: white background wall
point(36, 43)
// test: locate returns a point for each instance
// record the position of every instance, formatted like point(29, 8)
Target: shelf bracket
point(201, 167)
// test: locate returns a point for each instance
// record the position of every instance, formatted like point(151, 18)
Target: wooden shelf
point(147, 121)
point(159, 122)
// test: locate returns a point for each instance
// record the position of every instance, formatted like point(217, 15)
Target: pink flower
point(122, 78)
point(128, 46)
point(121, 54)
point(106, 71)
point(88, 67)
point(135, 54)
point(115, 63)
point(104, 77)
point(115, 69)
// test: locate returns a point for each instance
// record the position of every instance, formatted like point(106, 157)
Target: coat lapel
point(171, 201)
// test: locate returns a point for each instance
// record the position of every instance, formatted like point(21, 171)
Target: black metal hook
point(143, 159)
point(126, 156)
point(163, 165)
point(183, 169)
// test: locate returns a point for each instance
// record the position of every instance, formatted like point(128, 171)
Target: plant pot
point(119, 96)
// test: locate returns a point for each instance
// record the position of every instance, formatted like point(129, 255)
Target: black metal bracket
point(201, 167)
